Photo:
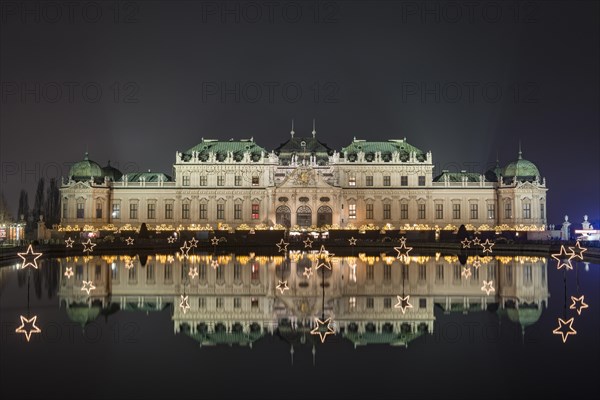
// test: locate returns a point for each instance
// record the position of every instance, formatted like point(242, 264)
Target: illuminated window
point(186, 180)
point(220, 211)
point(255, 272)
point(185, 211)
point(255, 211)
point(369, 180)
point(98, 209)
point(403, 211)
point(421, 181)
point(387, 181)
point(439, 211)
point(387, 211)
point(404, 180)
point(369, 211)
point(421, 211)
point(203, 180)
point(238, 180)
point(352, 303)
point(116, 211)
point(474, 211)
point(80, 209)
point(203, 211)
point(255, 181)
point(220, 180)
point(352, 211)
point(133, 211)
point(456, 211)
point(527, 210)
point(237, 211)
point(169, 211)
point(351, 180)
point(491, 210)
point(151, 211)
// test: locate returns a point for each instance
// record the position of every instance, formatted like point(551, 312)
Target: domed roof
point(521, 169)
point(524, 316)
point(82, 313)
point(111, 172)
point(85, 169)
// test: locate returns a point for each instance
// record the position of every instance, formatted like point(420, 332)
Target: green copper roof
point(222, 148)
point(230, 338)
point(391, 338)
point(82, 313)
point(458, 177)
point(300, 146)
point(522, 170)
point(147, 176)
point(386, 149)
point(524, 316)
point(111, 172)
point(85, 169)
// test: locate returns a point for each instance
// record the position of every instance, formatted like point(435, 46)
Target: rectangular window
point(80, 210)
point(421, 181)
point(526, 210)
point(133, 211)
point(422, 272)
point(237, 271)
point(255, 271)
point(255, 181)
point(168, 274)
point(237, 211)
point(116, 211)
point(114, 272)
point(369, 180)
point(404, 180)
point(352, 211)
point(456, 211)
point(98, 273)
point(422, 303)
point(169, 211)
point(439, 272)
point(542, 211)
point(387, 211)
point(185, 211)
point(387, 302)
point(439, 211)
point(421, 211)
point(202, 272)
point(186, 180)
point(65, 209)
point(351, 180)
point(387, 272)
point(220, 180)
point(403, 211)
point(255, 211)
point(369, 211)
point(220, 272)
point(352, 303)
point(254, 303)
point(220, 211)
point(237, 302)
point(370, 302)
point(98, 210)
point(387, 181)
point(238, 180)
point(150, 273)
point(370, 272)
point(203, 180)
point(151, 211)
point(203, 211)
point(474, 211)
point(201, 302)
point(219, 302)
point(508, 209)
point(491, 210)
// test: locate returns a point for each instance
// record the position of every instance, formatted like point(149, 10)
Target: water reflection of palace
point(238, 301)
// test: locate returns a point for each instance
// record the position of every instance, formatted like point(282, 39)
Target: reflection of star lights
point(128, 263)
point(170, 239)
point(88, 246)
point(282, 286)
point(402, 240)
point(352, 271)
point(466, 272)
point(214, 263)
point(466, 243)
point(576, 301)
point(193, 242)
point(577, 251)
point(129, 241)
point(29, 258)
point(352, 241)
point(193, 272)
point(563, 258)
point(322, 328)
point(32, 328)
point(214, 241)
point(184, 305)
point(324, 261)
point(487, 246)
point(308, 243)
point(185, 249)
point(403, 251)
point(488, 287)
point(477, 263)
point(282, 246)
point(170, 259)
point(68, 272)
point(308, 271)
point(69, 242)
point(403, 303)
point(476, 241)
point(88, 286)
point(560, 330)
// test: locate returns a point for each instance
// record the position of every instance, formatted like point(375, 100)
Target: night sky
point(136, 81)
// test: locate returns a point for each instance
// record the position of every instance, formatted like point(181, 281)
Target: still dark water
point(242, 337)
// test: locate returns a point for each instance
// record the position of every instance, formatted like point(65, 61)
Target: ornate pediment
point(304, 176)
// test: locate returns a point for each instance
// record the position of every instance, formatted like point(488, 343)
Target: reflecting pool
point(298, 324)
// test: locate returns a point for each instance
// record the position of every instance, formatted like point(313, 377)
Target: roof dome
point(521, 169)
point(524, 316)
point(111, 172)
point(85, 169)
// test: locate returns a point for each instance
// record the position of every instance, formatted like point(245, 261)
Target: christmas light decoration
point(170, 239)
point(466, 243)
point(214, 241)
point(466, 272)
point(308, 243)
point(560, 330)
point(31, 327)
point(322, 328)
point(193, 242)
point(88, 246)
point(184, 304)
point(214, 263)
point(68, 272)
point(29, 258)
point(282, 286)
point(487, 246)
point(476, 241)
point(69, 242)
point(170, 259)
point(402, 240)
point(352, 266)
point(577, 251)
point(578, 304)
point(352, 241)
point(129, 241)
point(193, 272)
point(128, 263)
point(562, 259)
point(308, 271)
point(477, 262)
point(488, 287)
point(185, 249)
point(282, 246)
point(403, 251)
point(403, 303)
point(88, 286)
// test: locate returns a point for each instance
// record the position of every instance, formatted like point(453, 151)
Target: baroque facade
point(304, 183)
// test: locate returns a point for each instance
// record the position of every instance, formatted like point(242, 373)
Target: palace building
point(304, 183)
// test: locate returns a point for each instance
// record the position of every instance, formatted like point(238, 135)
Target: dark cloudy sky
point(136, 82)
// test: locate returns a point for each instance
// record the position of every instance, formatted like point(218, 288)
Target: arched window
point(324, 216)
point(304, 216)
point(283, 216)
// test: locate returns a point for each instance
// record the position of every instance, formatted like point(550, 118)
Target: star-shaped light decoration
point(184, 304)
point(560, 330)
point(170, 239)
point(193, 242)
point(29, 258)
point(282, 246)
point(487, 246)
point(68, 272)
point(69, 242)
point(308, 243)
point(488, 287)
point(403, 251)
point(88, 286)
point(477, 263)
point(402, 240)
point(88, 246)
point(129, 241)
point(466, 243)
point(476, 232)
point(577, 251)
point(128, 263)
point(476, 241)
point(578, 304)
point(282, 286)
point(308, 271)
point(185, 249)
point(324, 261)
point(30, 322)
point(170, 259)
point(322, 328)
point(466, 272)
point(403, 303)
point(214, 263)
point(214, 241)
point(563, 258)
point(352, 241)
point(193, 272)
